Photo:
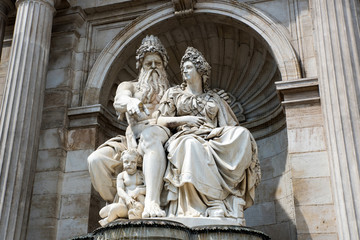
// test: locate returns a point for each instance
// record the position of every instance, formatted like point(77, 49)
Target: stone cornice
point(95, 116)
point(301, 91)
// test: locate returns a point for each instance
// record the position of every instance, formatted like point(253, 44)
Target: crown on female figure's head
point(195, 56)
point(151, 44)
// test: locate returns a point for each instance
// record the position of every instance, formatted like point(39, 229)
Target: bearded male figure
point(138, 102)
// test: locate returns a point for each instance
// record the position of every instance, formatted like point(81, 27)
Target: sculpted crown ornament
point(151, 44)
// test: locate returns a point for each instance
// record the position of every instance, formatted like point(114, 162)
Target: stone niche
point(243, 64)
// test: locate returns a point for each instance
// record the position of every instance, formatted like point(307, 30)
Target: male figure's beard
point(152, 84)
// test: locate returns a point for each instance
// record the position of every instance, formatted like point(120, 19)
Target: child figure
point(130, 190)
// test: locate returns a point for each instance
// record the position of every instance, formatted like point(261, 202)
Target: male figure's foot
point(152, 209)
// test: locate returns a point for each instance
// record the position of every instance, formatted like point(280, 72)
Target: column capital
point(57, 4)
point(47, 2)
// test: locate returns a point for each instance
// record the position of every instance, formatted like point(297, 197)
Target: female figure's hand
point(195, 121)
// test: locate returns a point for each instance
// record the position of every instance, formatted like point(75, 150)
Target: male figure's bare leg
point(154, 164)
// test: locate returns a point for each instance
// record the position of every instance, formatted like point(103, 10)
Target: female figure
point(213, 167)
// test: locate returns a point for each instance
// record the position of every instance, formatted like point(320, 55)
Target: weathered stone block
point(316, 219)
point(275, 188)
point(308, 46)
point(272, 145)
point(60, 59)
point(81, 139)
point(312, 191)
point(285, 209)
point(306, 139)
point(331, 236)
point(41, 228)
point(43, 206)
point(53, 118)
point(46, 182)
point(296, 111)
point(303, 121)
point(77, 58)
point(51, 159)
point(58, 77)
point(56, 98)
point(76, 183)
point(75, 206)
point(69, 228)
point(306, 165)
point(274, 166)
point(310, 67)
point(279, 231)
point(260, 214)
point(51, 138)
point(65, 41)
point(77, 160)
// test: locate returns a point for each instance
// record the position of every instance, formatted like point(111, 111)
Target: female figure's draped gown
point(213, 169)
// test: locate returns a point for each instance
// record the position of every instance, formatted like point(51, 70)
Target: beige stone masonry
point(337, 36)
point(308, 158)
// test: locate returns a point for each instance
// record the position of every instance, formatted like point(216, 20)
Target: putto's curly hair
point(202, 66)
point(133, 152)
point(151, 44)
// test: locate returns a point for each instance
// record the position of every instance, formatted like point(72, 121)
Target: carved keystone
point(183, 7)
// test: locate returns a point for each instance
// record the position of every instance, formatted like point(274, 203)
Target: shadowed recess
point(242, 64)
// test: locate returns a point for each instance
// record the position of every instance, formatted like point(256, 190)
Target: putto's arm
point(121, 189)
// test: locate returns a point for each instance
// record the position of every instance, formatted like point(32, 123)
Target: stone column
point(5, 7)
point(337, 34)
point(21, 110)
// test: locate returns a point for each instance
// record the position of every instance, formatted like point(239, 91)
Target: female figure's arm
point(173, 122)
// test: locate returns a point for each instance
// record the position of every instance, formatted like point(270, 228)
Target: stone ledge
point(300, 91)
point(94, 115)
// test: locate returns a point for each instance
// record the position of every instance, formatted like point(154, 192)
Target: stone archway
point(246, 50)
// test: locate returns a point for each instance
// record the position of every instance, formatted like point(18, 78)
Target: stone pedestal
point(20, 115)
point(166, 229)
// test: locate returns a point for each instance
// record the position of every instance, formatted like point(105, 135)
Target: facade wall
point(295, 199)
point(273, 211)
point(313, 195)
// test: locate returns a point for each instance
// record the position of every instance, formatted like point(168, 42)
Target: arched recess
point(261, 54)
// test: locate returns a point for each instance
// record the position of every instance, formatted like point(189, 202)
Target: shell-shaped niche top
point(241, 64)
